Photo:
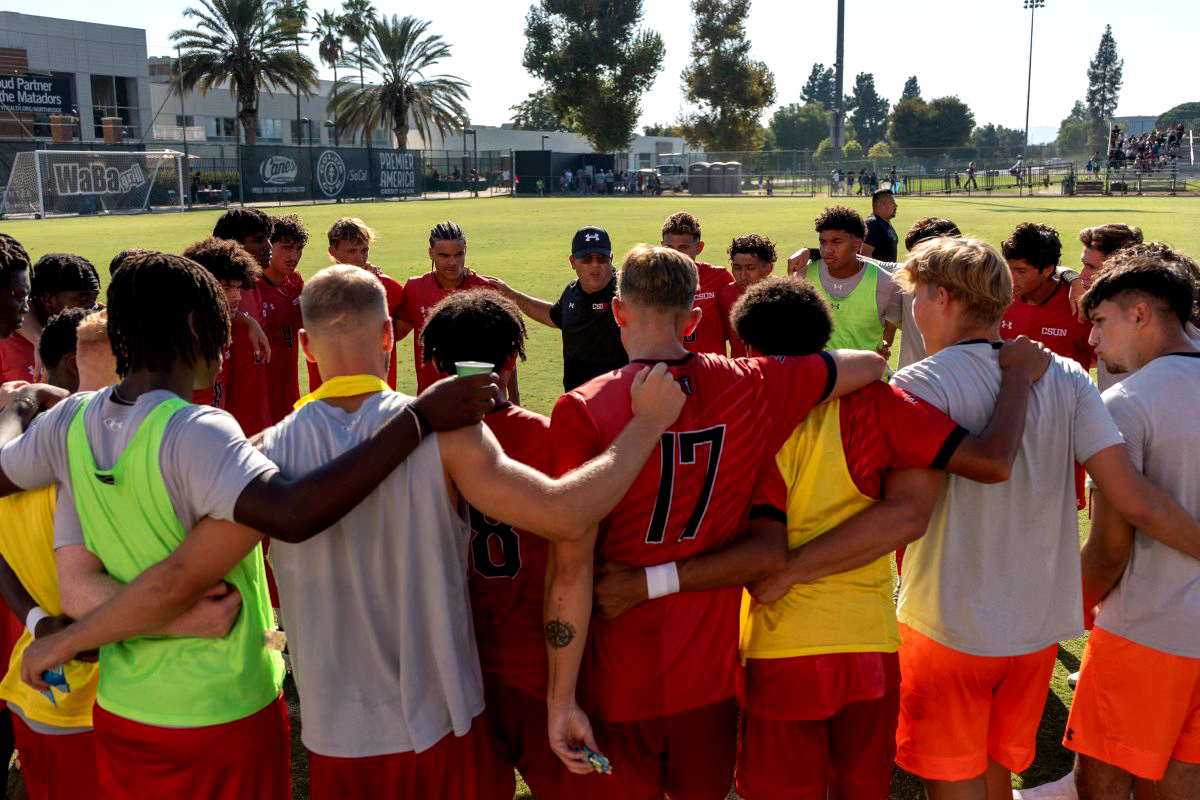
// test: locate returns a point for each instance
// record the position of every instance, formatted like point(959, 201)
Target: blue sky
point(976, 50)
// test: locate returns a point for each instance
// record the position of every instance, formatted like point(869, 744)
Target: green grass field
point(526, 242)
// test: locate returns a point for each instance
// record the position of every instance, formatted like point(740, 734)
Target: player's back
point(677, 653)
point(508, 567)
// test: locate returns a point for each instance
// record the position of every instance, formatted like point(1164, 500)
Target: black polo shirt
point(882, 236)
point(591, 339)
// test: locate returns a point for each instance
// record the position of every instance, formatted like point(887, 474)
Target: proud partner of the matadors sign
point(34, 94)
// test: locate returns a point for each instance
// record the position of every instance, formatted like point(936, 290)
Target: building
point(644, 151)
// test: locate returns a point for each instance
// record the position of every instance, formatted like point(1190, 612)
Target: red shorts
point(689, 756)
point(518, 721)
point(456, 768)
point(1135, 707)
point(249, 757)
point(57, 767)
point(819, 726)
point(957, 711)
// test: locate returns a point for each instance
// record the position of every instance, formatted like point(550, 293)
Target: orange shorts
point(957, 710)
point(1135, 707)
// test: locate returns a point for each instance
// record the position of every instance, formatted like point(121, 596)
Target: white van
point(674, 176)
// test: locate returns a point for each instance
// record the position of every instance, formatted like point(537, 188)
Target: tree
point(537, 113)
point(937, 125)
point(293, 15)
point(909, 123)
point(1104, 87)
point(879, 150)
point(800, 127)
point(826, 152)
point(658, 129)
point(728, 89)
point(852, 151)
point(596, 64)
point(821, 86)
point(1187, 113)
point(768, 138)
point(327, 33)
point(242, 44)
point(1074, 130)
point(399, 54)
point(997, 141)
point(356, 25)
point(912, 89)
point(869, 119)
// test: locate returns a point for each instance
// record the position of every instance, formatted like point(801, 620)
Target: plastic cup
point(464, 368)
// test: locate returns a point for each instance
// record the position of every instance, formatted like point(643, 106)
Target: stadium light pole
point(187, 159)
point(1033, 6)
point(300, 130)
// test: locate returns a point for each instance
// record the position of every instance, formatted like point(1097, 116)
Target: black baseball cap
point(591, 240)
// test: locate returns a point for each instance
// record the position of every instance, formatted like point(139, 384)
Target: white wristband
point(662, 580)
point(35, 615)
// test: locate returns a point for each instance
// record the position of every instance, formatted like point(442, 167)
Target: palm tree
point(241, 43)
point(398, 52)
point(357, 16)
point(293, 14)
point(328, 35)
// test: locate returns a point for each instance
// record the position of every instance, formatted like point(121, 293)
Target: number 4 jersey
point(508, 568)
point(678, 653)
point(281, 322)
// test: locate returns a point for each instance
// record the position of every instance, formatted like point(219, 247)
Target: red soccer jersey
point(679, 652)
point(215, 395)
point(281, 321)
point(422, 293)
point(16, 358)
point(1052, 323)
point(508, 568)
point(726, 297)
point(245, 380)
point(709, 336)
point(395, 301)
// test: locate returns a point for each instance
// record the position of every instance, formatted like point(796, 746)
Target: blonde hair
point(972, 272)
point(657, 277)
point(351, 229)
point(92, 329)
point(340, 298)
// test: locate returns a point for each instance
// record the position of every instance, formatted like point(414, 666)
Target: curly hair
point(13, 257)
point(58, 336)
point(682, 223)
point(783, 316)
point(760, 247)
point(1160, 252)
point(1034, 243)
point(289, 228)
point(226, 259)
point(476, 325)
point(239, 223)
point(119, 258)
point(841, 218)
point(164, 308)
point(927, 228)
point(1108, 239)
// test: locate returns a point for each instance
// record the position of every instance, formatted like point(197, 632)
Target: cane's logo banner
point(278, 170)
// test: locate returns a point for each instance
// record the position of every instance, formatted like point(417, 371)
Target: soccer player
point(507, 571)
point(279, 288)
point(979, 628)
point(751, 258)
point(245, 377)
point(448, 273)
point(137, 467)
point(1041, 306)
point(881, 239)
point(58, 281)
point(591, 339)
point(865, 301)
point(376, 608)
point(1137, 705)
point(822, 675)
point(350, 242)
point(681, 232)
point(1099, 243)
point(658, 682)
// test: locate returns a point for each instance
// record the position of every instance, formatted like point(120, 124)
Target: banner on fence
point(324, 173)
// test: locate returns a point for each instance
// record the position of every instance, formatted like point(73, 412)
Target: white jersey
point(997, 571)
point(376, 607)
point(1157, 601)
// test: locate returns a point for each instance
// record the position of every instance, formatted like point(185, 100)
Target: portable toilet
point(732, 179)
point(716, 177)
point(697, 177)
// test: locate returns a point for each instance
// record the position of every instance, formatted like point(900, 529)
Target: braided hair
point(447, 232)
point(164, 308)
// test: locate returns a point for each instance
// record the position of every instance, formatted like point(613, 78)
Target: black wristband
point(423, 423)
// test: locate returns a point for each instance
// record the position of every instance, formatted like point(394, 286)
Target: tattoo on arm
point(559, 633)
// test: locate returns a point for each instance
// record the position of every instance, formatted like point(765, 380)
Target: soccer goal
point(47, 183)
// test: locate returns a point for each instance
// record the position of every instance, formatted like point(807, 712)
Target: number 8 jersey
point(678, 653)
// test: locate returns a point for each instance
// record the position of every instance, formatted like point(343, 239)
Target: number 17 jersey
point(678, 653)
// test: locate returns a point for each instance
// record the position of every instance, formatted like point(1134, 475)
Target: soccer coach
point(591, 339)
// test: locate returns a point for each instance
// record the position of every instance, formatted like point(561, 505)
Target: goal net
point(54, 182)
